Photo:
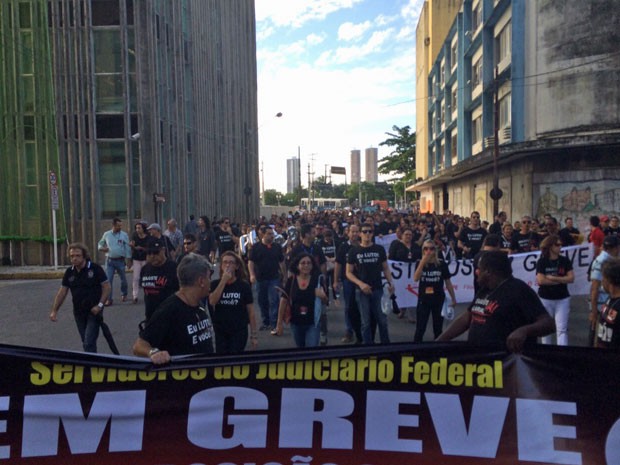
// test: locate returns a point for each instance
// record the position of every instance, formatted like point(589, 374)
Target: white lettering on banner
point(207, 417)
point(536, 431)
point(299, 418)
point(124, 410)
point(383, 421)
point(461, 275)
point(612, 451)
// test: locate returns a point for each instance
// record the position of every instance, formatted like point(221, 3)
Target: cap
point(154, 246)
point(604, 218)
point(154, 226)
point(610, 242)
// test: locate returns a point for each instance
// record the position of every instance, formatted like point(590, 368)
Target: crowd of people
point(294, 262)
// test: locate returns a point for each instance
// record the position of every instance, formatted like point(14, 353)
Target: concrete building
point(292, 175)
point(142, 109)
point(356, 170)
point(370, 165)
point(551, 68)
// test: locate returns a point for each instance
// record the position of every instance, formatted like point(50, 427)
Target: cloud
point(344, 55)
point(351, 32)
point(295, 13)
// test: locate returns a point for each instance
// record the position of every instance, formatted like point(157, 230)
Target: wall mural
point(578, 200)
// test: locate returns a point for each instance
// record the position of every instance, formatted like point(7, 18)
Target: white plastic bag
point(386, 302)
point(447, 311)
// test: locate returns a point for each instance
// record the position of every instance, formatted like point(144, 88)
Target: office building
point(143, 109)
point(554, 145)
point(370, 165)
point(292, 175)
point(356, 170)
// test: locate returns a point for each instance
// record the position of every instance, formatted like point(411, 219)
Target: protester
point(351, 311)
point(432, 273)
point(233, 307)
point(569, 234)
point(491, 242)
point(598, 295)
point(206, 238)
point(405, 250)
point(175, 235)
point(365, 262)
point(190, 245)
point(596, 235)
point(525, 239)
point(614, 227)
point(505, 312)
point(471, 237)
point(115, 244)
point(158, 278)
point(553, 274)
point(301, 292)
point(89, 288)
point(139, 244)
point(180, 325)
point(608, 336)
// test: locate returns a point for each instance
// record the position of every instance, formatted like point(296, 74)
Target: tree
point(401, 162)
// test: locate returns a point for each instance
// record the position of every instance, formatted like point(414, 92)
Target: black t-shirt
point(85, 286)
point(225, 241)
point(524, 242)
point(368, 264)
point(432, 280)
point(158, 283)
point(559, 267)
point(608, 334)
point(143, 242)
point(165, 241)
point(498, 312)
point(266, 260)
point(179, 328)
point(315, 250)
point(609, 231)
point(230, 313)
point(473, 239)
point(566, 235)
point(341, 258)
point(401, 253)
point(302, 300)
point(206, 242)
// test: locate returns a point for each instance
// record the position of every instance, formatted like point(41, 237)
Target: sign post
point(55, 204)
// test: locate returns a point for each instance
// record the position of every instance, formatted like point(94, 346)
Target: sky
point(341, 72)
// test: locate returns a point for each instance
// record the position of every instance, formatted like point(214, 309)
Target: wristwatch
point(100, 305)
point(153, 351)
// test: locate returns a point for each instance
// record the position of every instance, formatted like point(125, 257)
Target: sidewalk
point(31, 272)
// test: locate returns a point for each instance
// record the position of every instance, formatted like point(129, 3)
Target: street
point(25, 307)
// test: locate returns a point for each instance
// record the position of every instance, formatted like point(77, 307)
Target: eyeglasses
point(366, 231)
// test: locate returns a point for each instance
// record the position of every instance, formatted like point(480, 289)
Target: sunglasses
point(366, 231)
point(428, 248)
point(187, 243)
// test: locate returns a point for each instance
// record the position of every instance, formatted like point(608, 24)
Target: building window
point(476, 130)
point(112, 179)
point(453, 147)
point(106, 13)
point(453, 56)
point(454, 100)
point(443, 115)
point(504, 111)
point(476, 73)
point(502, 44)
point(476, 17)
point(442, 74)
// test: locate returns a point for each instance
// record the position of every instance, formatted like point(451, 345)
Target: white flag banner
point(462, 275)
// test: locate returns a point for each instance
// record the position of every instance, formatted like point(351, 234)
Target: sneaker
point(347, 338)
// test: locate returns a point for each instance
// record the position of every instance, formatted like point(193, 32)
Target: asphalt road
point(25, 307)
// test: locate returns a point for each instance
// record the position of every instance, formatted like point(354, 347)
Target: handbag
point(288, 309)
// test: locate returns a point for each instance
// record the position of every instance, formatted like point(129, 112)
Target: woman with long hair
point(406, 250)
point(553, 274)
point(139, 243)
point(433, 274)
point(232, 306)
point(300, 292)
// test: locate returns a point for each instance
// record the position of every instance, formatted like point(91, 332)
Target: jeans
point(88, 327)
point(370, 306)
point(268, 300)
point(559, 310)
point(423, 312)
point(305, 335)
point(117, 266)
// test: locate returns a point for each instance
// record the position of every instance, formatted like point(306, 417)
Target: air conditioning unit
point(507, 134)
point(489, 142)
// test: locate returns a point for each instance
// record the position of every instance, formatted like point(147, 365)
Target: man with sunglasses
point(158, 278)
point(225, 238)
point(472, 236)
point(365, 262)
point(525, 240)
point(190, 245)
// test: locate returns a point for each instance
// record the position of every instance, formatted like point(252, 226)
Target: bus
point(321, 204)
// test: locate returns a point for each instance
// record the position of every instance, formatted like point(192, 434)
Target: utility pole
point(496, 193)
point(299, 175)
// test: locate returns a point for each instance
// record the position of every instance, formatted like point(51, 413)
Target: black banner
point(449, 404)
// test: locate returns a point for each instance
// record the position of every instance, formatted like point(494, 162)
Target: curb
point(33, 275)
